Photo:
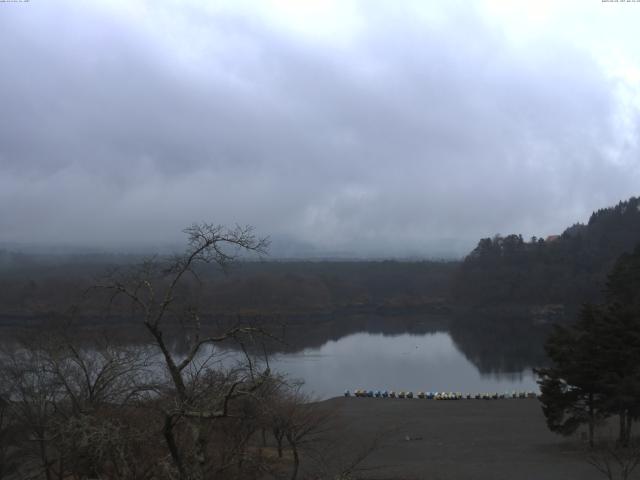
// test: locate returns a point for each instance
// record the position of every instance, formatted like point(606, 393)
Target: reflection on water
point(472, 353)
point(429, 362)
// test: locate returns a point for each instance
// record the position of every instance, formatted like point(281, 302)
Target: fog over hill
point(350, 129)
point(281, 248)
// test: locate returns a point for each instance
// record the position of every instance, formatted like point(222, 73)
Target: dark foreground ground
point(465, 439)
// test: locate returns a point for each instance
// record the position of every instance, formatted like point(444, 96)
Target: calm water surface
point(427, 362)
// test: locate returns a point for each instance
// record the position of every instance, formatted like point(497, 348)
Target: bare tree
point(9, 458)
point(152, 291)
point(56, 392)
point(614, 460)
point(102, 409)
point(32, 394)
point(295, 418)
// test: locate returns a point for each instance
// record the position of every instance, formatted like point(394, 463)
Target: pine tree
point(595, 370)
point(571, 390)
point(621, 371)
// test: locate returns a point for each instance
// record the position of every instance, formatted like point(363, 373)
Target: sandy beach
point(465, 439)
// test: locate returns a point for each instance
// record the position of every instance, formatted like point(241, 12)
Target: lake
point(375, 361)
point(422, 353)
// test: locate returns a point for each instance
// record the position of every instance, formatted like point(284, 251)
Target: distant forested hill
point(39, 284)
point(568, 269)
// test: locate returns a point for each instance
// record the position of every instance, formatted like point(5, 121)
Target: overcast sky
point(384, 128)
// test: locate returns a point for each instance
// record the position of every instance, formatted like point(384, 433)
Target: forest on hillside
point(503, 270)
point(568, 269)
point(37, 285)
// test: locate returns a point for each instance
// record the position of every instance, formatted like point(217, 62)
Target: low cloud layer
point(356, 127)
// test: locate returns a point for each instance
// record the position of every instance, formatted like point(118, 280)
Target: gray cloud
point(411, 138)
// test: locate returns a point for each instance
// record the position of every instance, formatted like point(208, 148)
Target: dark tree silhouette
point(571, 390)
point(570, 269)
point(595, 369)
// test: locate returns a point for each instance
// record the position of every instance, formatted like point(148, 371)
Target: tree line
point(32, 286)
point(569, 269)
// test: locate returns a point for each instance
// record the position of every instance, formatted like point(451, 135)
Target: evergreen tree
point(595, 370)
point(569, 269)
point(621, 338)
point(571, 390)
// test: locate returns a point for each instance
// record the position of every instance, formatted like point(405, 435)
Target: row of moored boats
point(439, 395)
